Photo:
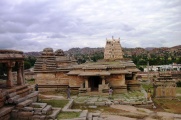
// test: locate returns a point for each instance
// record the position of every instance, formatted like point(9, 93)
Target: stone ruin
point(18, 101)
point(164, 86)
point(56, 71)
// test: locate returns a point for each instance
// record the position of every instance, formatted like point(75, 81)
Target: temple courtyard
point(130, 106)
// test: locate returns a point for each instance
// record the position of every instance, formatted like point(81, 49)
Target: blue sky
point(31, 25)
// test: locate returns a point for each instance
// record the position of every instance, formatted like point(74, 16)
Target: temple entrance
point(94, 82)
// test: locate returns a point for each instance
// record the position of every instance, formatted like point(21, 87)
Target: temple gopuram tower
point(113, 49)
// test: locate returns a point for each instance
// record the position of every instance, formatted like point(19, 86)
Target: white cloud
point(32, 25)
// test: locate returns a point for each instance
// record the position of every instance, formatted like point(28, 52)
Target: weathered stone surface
point(12, 99)
point(12, 94)
point(5, 110)
point(5, 117)
point(96, 114)
point(116, 102)
point(24, 103)
point(29, 109)
point(20, 100)
point(38, 117)
point(90, 103)
point(14, 114)
point(55, 112)
point(100, 103)
point(95, 118)
point(47, 109)
point(25, 114)
point(84, 113)
point(33, 94)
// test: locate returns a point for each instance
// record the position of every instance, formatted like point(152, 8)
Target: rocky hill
point(172, 51)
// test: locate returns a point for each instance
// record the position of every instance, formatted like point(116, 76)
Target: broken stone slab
point(21, 87)
point(1, 104)
point(5, 117)
point(20, 100)
point(12, 94)
point(21, 92)
point(38, 107)
point(12, 99)
point(55, 112)
point(125, 103)
point(136, 103)
point(47, 109)
point(108, 103)
point(82, 118)
point(83, 113)
point(24, 103)
point(89, 116)
point(90, 103)
point(69, 105)
point(96, 114)
point(95, 118)
point(116, 102)
point(38, 117)
point(29, 109)
point(34, 94)
point(100, 103)
point(14, 114)
point(25, 114)
point(93, 106)
point(5, 110)
point(25, 118)
point(37, 113)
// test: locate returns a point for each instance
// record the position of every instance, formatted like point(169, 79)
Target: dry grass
point(68, 115)
point(169, 105)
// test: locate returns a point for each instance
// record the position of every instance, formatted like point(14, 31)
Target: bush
point(178, 84)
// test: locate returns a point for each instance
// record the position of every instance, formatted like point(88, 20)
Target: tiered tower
point(113, 49)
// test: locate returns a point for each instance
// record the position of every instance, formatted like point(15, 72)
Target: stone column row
point(20, 74)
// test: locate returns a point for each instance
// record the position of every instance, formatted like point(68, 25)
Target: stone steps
point(47, 109)
point(55, 112)
point(5, 112)
point(24, 103)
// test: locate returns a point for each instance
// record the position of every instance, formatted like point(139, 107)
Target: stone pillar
point(86, 83)
point(9, 82)
point(20, 80)
point(134, 76)
point(103, 80)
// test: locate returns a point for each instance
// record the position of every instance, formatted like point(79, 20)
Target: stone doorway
point(94, 82)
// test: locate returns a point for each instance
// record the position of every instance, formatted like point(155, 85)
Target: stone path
point(131, 98)
point(115, 117)
point(55, 97)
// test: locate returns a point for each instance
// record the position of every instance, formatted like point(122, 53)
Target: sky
point(31, 25)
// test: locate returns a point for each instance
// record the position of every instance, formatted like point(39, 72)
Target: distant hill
point(33, 54)
point(173, 51)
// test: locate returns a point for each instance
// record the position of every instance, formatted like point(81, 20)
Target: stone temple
point(56, 71)
point(18, 100)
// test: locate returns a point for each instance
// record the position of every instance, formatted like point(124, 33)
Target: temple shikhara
point(55, 70)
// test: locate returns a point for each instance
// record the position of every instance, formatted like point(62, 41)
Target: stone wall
point(116, 80)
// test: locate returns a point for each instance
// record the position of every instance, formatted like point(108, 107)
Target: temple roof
point(11, 54)
point(101, 73)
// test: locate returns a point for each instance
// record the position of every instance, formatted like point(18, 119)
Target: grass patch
point(55, 103)
point(31, 81)
point(169, 105)
point(178, 90)
point(68, 115)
